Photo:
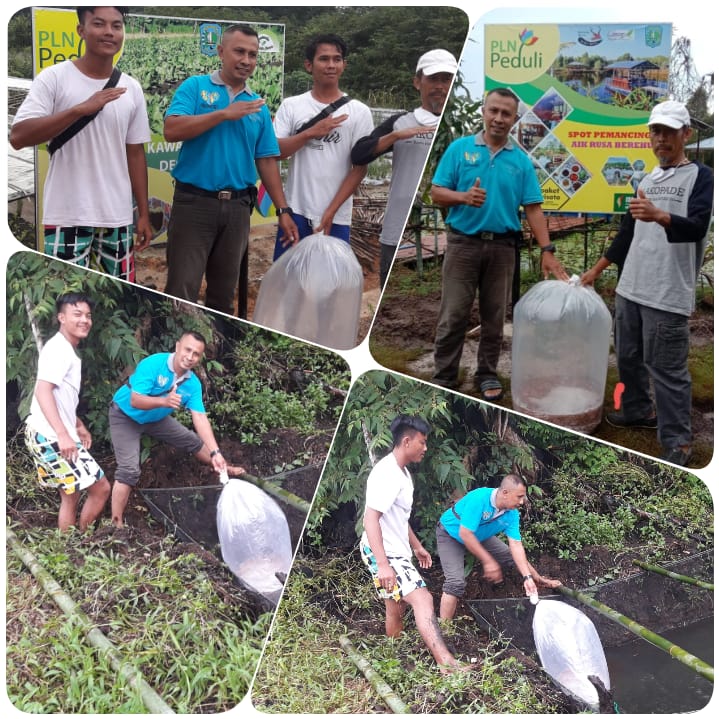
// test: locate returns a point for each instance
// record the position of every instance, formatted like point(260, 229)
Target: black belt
point(490, 236)
point(217, 194)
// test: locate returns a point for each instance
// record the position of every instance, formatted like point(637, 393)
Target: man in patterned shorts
point(388, 541)
point(57, 439)
point(92, 177)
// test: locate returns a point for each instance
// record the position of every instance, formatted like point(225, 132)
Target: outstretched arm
point(204, 431)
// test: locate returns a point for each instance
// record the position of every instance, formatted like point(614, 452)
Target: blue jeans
point(653, 344)
point(304, 227)
point(472, 264)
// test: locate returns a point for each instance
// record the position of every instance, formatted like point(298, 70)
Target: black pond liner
point(657, 602)
point(190, 514)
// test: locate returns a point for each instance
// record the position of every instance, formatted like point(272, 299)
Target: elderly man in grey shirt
point(408, 135)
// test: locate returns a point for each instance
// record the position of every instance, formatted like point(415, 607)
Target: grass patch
point(161, 612)
point(161, 606)
point(305, 671)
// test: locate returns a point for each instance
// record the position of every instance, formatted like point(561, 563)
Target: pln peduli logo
point(516, 54)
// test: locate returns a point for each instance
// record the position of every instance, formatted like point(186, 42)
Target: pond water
point(645, 679)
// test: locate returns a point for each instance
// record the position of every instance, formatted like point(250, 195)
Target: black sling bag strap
point(324, 112)
point(69, 132)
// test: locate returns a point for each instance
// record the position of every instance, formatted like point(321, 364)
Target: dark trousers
point(472, 265)
point(207, 236)
point(655, 344)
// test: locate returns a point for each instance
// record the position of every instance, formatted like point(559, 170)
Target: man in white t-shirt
point(88, 196)
point(55, 436)
point(388, 540)
point(321, 179)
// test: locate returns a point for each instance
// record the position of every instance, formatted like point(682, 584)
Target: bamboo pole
point(673, 575)
point(287, 497)
point(154, 703)
point(383, 689)
point(674, 651)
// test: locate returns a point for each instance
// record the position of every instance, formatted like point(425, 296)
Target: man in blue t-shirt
point(161, 384)
point(227, 139)
point(472, 525)
point(483, 180)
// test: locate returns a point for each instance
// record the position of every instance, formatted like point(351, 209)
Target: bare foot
point(234, 471)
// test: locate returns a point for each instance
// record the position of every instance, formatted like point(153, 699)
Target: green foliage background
point(246, 371)
point(581, 492)
point(384, 42)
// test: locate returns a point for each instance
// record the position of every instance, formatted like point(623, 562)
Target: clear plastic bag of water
point(570, 649)
point(314, 291)
point(561, 336)
point(254, 537)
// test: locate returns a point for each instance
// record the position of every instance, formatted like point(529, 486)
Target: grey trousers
point(451, 557)
point(126, 434)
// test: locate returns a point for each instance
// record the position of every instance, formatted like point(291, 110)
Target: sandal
point(488, 390)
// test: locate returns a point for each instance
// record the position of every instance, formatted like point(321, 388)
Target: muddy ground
point(151, 271)
point(168, 469)
point(410, 322)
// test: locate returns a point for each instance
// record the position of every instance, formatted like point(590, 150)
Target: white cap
point(670, 114)
point(436, 61)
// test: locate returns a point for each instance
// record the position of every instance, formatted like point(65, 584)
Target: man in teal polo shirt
point(227, 139)
point(472, 525)
point(484, 180)
point(161, 384)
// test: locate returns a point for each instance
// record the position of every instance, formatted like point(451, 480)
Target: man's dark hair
point(84, 9)
point(403, 425)
point(326, 39)
point(503, 92)
point(240, 27)
point(195, 335)
point(513, 480)
point(72, 298)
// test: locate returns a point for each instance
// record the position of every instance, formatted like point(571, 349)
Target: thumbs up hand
point(642, 209)
point(476, 195)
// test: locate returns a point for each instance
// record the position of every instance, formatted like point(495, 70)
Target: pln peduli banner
point(585, 93)
point(159, 52)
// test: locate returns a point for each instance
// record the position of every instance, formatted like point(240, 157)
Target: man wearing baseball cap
point(660, 247)
point(408, 135)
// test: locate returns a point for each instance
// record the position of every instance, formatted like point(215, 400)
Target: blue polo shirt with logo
point(508, 176)
point(155, 377)
point(223, 157)
point(479, 515)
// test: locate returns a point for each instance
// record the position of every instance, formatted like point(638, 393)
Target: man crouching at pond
point(472, 525)
point(388, 541)
point(161, 384)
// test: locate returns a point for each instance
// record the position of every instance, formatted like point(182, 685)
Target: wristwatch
point(548, 248)
point(527, 576)
point(283, 211)
point(215, 451)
